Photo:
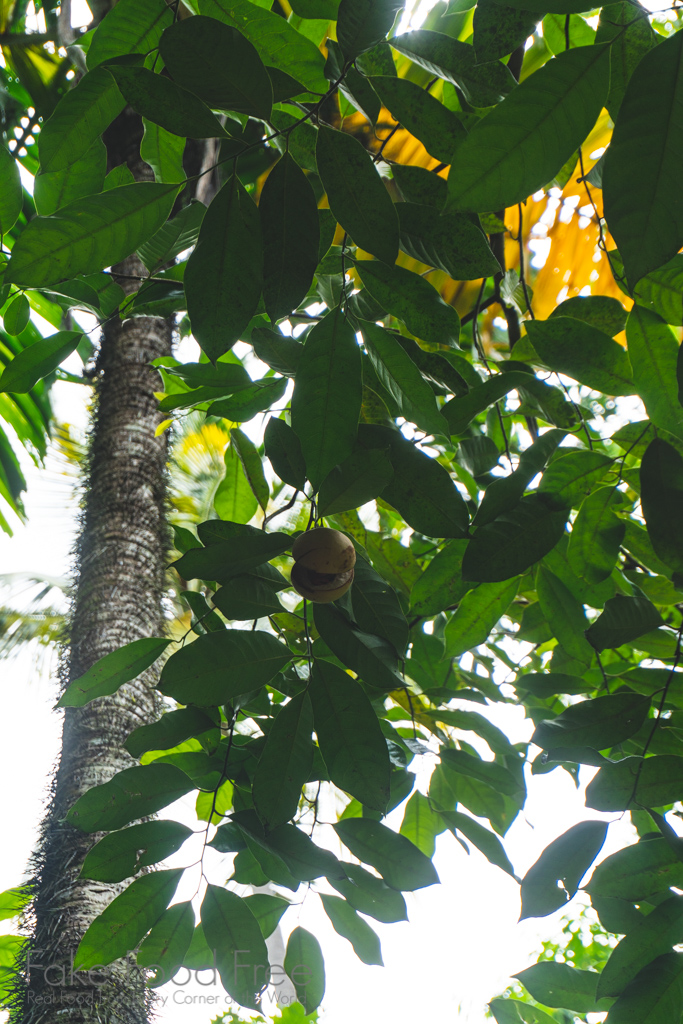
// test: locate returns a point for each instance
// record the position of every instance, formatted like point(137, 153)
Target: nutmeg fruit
point(323, 565)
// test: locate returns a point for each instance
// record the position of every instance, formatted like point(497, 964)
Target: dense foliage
point(491, 473)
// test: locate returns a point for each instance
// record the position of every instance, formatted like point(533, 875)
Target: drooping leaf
point(234, 498)
point(653, 350)
point(627, 27)
point(347, 923)
point(224, 274)
point(655, 996)
point(484, 840)
point(251, 463)
point(412, 299)
point(167, 944)
point(376, 607)
point(78, 120)
point(112, 671)
point(581, 351)
point(234, 934)
point(283, 449)
point(305, 967)
point(121, 854)
point(172, 728)
point(119, 928)
point(661, 483)
point(564, 614)
point(356, 193)
point(571, 477)
point(285, 763)
point(563, 985)
point(356, 480)
point(10, 191)
point(477, 614)
point(370, 895)
point(219, 666)
point(565, 860)
point(244, 404)
point(131, 794)
point(523, 142)
point(167, 104)
point(652, 782)
point(327, 398)
point(597, 534)
point(437, 128)
point(456, 62)
point(251, 595)
point(230, 549)
point(441, 585)
point(399, 862)
point(54, 189)
point(267, 909)
point(514, 541)
point(460, 411)
point(489, 772)
point(372, 657)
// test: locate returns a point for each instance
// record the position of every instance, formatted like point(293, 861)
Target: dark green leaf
point(514, 541)
point(244, 405)
point(564, 614)
point(412, 299)
point(167, 104)
point(626, 26)
point(600, 311)
point(78, 121)
point(280, 353)
point(600, 723)
point(653, 782)
point(361, 24)
point(477, 614)
point(11, 195)
point(484, 840)
point(488, 772)
point(224, 273)
point(173, 728)
point(498, 30)
point(624, 619)
point(440, 54)
point(112, 671)
point(166, 945)
point(218, 64)
point(129, 28)
point(651, 937)
point(640, 165)
point(662, 291)
point(131, 794)
point(346, 922)
point(565, 860)
point(234, 498)
point(305, 967)
point(175, 236)
point(399, 862)
point(327, 395)
point(356, 193)
point(640, 871)
point(234, 934)
point(503, 493)
point(267, 910)
point(251, 464)
point(653, 350)
point(251, 595)
point(661, 483)
point(514, 1011)
point(655, 996)
point(163, 151)
point(441, 585)
point(230, 550)
point(121, 854)
point(358, 479)
point(55, 189)
point(370, 895)
point(376, 607)
point(119, 928)
point(372, 657)
point(523, 143)
point(557, 984)
point(197, 674)
point(437, 128)
point(448, 241)
point(422, 823)
point(419, 186)
point(571, 477)
point(461, 411)
point(581, 351)
point(597, 534)
point(283, 449)
point(285, 763)
point(291, 236)
point(37, 361)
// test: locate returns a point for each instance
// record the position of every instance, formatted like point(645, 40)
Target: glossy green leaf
point(437, 128)
point(579, 350)
point(326, 400)
point(78, 120)
point(283, 449)
point(11, 195)
point(655, 996)
point(571, 477)
point(347, 923)
point(402, 379)
point(498, 29)
point(285, 763)
point(129, 28)
point(231, 549)
point(358, 479)
point(219, 64)
point(370, 895)
point(653, 936)
point(197, 674)
point(600, 723)
point(112, 671)
point(90, 234)
point(356, 193)
point(278, 42)
point(566, 860)
point(624, 619)
point(350, 739)
point(224, 273)
point(166, 945)
point(399, 862)
point(639, 176)
point(131, 794)
point(557, 984)
point(597, 534)
point(305, 967)
point(234, 498)
point(234, 934)
point(119, 928)
point(476, 615)
point(661, 483)
point(522, 144)
point(514, 541)
point(447, 241)
point(167, 104)
point(172, 728)
point(653, 782)
point(456, 62)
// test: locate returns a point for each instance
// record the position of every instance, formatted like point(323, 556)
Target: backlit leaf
point(285, 763)
point(305, 967)
point(234, 934)
point(565, 860)
point(113, 670)
point(131, 794)
point(399, 862)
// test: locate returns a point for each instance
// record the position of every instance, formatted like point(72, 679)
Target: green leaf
point(653, 350)
point(602, 312)
point(661, 292)
point(653, 782)
point(163, 151)
point(12, 902)
point(11, 194)
point(441, 585)
point(421, 823)
point(523, 143)
point(305, 967)
point(488, 772)
point(461, 411)
point(514, 1011)
point(231, 549)
point(219, 64)
point(78, 120)
point(498, 29)
point(361, 24)
point(448, 241)
point(578, 350)
point(283, 449)
point(196, 674)
point(355, 481)
point(441, 55)
point(651, 937)
point(399, 862)
point(234, 498)
point(267, 910)
point(167, 104)
point(571, 477)
point(347, 923)
point(119, 928)
point(627, 27)
point(251, 595)
point(564, 614)
point(661, 484)
point(370, 895)
point(437, 128)
point(291, 236)
point(419, 186)
point(639, 175)
point(566, 860)
point(421, 489)
point(640, 871)
point(234, 934)
point(224, 273)
point(655, 996)
point(600, 723)
point(285, 763)
point(252, 465)
point(597, 535)
point(376, 607)
point(55, 189)
point(557, 984)
point(131, 794)
point(402, 379)
point(371, 657)
point(172, 728)
point(278, 42)
point(327, 395)
point(90, 234)
point(624, 619)
point(17, 315)
point(280, 353)
point(129, 28)
point(484, 840)
point(175, 235)
point(349, 736)
point(166, 945)
point(476, 615)
point(413, 300)
point(356, 193)
point(503, 493)
point(245, 404)
point(112, 671)
point(514, 541)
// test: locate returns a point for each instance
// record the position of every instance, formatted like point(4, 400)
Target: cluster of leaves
point(318, 257)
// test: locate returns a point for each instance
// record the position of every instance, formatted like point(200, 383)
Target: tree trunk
point(121, 558)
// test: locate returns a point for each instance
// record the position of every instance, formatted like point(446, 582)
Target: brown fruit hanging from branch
point(323, 565)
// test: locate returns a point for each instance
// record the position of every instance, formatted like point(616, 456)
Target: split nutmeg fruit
point(323, 565)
